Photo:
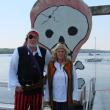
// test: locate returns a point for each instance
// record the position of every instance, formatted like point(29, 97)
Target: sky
point(15, 23)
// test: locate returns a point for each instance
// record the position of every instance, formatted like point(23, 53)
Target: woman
point(61, 88)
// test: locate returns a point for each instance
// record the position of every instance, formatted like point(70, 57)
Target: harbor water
point(100, 70)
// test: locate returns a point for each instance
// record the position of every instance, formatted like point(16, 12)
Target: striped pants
point(27, 102)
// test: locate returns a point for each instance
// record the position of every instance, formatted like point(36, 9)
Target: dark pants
point(64, 106)
point(24, 102)
point(60, 106)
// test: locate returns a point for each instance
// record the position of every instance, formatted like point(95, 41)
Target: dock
point(102, 100)
point(94, 99)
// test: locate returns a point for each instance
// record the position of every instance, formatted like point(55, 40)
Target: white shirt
point(60, 85)
point(13, 78)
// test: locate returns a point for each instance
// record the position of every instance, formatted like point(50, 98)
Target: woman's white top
point(60, 82)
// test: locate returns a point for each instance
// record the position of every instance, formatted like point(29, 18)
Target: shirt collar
point(38, 51)
point(56, 64)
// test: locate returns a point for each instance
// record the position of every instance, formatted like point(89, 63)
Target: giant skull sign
point(67, 19)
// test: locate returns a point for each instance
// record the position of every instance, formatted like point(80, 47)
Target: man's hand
point(19, 89)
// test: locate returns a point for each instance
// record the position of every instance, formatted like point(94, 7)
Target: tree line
point(10, 51)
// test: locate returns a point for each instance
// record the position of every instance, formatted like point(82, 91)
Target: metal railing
point(91, 94)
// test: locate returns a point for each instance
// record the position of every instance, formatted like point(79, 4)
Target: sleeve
point(75, 85)
point(45, 70)
point(47, 57)
point(46, 92)
point(12, 79)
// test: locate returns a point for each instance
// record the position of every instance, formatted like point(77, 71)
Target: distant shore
point(10, 51)
point(6, 50)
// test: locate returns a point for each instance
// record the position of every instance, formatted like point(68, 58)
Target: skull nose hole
point(61, 39)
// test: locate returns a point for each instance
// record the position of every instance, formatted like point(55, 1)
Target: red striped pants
point(27, 102)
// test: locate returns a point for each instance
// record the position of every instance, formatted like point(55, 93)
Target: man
point(26, 73)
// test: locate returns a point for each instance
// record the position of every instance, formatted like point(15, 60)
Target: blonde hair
point(60, 46)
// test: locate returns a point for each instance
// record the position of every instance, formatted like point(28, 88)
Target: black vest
point(27, 70)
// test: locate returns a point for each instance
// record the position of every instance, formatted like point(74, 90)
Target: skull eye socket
point(49, 33)
point(72, 31)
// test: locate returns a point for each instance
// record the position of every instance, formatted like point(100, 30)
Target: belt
point(34, 85)
point(38, 84)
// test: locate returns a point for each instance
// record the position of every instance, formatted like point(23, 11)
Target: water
point(5, 96)
point(4, 66)
point(99, 69)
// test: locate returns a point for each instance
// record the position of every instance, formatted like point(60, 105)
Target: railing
point(82, 93)
point(3, 84)
point(91, 94)
point(87, 93)
point(6, 106)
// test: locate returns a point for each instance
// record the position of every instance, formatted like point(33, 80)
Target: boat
point(90, 54)
point(94, 60)
point(98, 54)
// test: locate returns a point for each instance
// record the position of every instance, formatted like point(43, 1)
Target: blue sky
point(15, 23)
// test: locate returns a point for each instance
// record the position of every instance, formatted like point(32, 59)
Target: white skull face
point(61, 22)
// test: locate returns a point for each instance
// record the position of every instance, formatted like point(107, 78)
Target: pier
point(102, 100)
point(92, 98)
point(86, 96)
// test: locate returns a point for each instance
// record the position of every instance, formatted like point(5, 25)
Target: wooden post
point(100, 10)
